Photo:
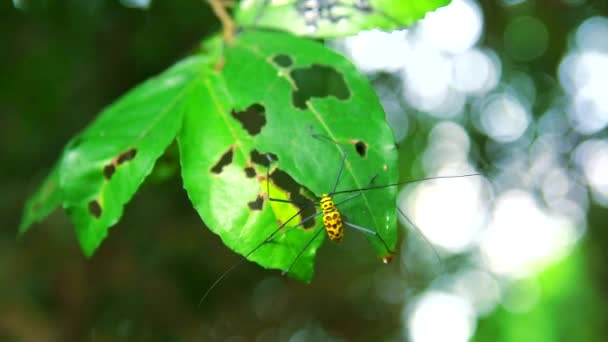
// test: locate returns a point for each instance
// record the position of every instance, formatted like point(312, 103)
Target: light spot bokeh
point(528, 210)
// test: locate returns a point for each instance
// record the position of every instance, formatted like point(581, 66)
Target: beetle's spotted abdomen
point(332, 220)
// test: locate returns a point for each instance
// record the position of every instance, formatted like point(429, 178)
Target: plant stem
point(219, 8)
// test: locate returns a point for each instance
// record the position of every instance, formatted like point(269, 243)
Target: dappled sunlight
point(369, 49)
point(476, 71)
point(439, 316)
point(441, 210)
point(504, 118)
point(478, 287)
point(592, 157)
point(518, 224)
point(527, 212)
point(454, 28)
point(583, 73)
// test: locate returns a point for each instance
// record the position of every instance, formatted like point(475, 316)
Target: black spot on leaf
point(126, 156)
point(282, 60)
point(108, 171)
point(317, 81)
point(257, 204)
point(262, 159)
point(253, 118)
point(250, 172)
point(224, 160)
point(110, 168)
point(361, 148)
point(95, 208)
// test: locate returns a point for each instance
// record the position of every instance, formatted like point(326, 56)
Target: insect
point(332, 219)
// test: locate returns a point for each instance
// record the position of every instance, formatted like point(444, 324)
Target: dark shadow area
point(285, 182)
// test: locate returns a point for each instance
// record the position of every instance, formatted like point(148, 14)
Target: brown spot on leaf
point(108, 171)
point(110, 168)
point(95, 208)
point(388, 258)
point(126, 156)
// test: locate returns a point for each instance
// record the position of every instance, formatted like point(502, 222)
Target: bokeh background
point(514, 89)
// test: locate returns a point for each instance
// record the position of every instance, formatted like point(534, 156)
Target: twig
point(219, 8)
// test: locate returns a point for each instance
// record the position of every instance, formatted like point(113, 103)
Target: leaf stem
point(219, 8)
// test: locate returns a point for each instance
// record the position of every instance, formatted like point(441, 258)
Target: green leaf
point(334, 18)
point(103, 167)
point(43, 202)
point(274, 93)
point(302, 88)
point(215, 151)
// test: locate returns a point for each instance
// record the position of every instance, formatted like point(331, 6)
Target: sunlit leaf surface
point(334, 18)
point(306, 89)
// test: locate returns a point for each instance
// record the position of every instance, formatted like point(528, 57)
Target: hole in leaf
point(317, 81)
point(295, 190)
point(253, 118)
point(126, 156)
point(108, 171)
point(282, 60)
point(257, 204)
point(95, 208)
point(224, 160)
point(250, 172)
point(262, 159)
point(361, 148)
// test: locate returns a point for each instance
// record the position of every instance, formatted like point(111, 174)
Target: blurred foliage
point(63, 61)
point(563, 306)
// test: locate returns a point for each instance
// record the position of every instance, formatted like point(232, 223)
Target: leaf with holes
point(275, 93)
point(334, 18)
point(300, 88)
point(224, 175)
point(103, 167)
